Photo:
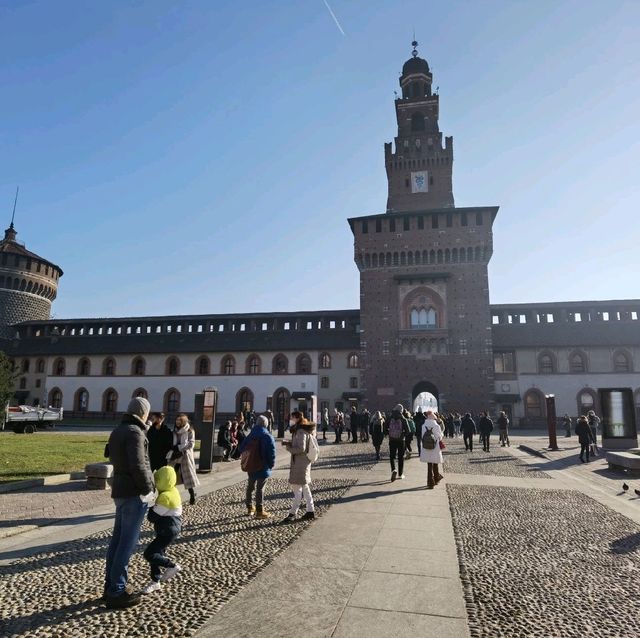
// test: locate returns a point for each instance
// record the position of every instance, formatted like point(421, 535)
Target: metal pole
point(551, 421)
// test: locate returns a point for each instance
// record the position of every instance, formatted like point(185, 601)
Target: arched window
point(138, 367)
point(171, 401)
point(55, 398)
point(281, 405)
point(546, 363)
point(325, 361)
point(244, 401)
point(586, 400)
point(228, 365)
point(172, 367)
point(280, 364)
point(84, 367)
point(81, 400)
point(203, 365)
point(140, 392)
point(621, 362)
point(110, 400)
point(353, 360)
point(58, 367)
point(109, 367)
point(533, 404)
point(577, 363)
point(254, 364)
point(423, 317)
point(40, 366)
point(25, 366)
point(303, 364)
point(417, 122)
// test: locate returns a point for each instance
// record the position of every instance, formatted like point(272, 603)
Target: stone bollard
point(98, 475)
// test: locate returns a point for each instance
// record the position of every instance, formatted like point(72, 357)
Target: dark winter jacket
point(267, 450)
point(405, 425)
point(129, 455)
point(160, 442)
point(166, 526)
point(503, 422)
point(583, 431)
point(376, 429)
point(468, 425)
point(419, 418)
point(224, 438)
point(486, 425)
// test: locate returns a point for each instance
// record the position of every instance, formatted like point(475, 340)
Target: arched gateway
point(425, 395)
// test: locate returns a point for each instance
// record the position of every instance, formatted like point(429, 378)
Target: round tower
point(28, 284)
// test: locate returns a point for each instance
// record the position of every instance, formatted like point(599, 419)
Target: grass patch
point(27, 456)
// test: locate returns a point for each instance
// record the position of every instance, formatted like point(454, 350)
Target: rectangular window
point(421, 223)
point(353, 382)
point(434, 221)
point(449, 220)
point(324, 405)
point(392, 225)
point(463, 219)
point(503, 362)
point(378, 225)
point(478, 219)
point(385, 347)
point(463, 346)
point(406, 223)
point(365, 227)
point(324, 382)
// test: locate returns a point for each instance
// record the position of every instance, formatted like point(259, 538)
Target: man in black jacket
point(486, 427)
point(160, 439)
point(419, 419)
point(132, 489)
point(468, 428)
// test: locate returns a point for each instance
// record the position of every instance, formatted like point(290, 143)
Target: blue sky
point(203, 157)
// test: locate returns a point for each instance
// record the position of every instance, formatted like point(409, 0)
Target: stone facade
point(17, 306)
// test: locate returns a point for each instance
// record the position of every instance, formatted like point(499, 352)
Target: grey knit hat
point(262, 421)
point(139, 408)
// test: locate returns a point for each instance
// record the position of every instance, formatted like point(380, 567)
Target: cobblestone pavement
point(545, 563)
point(498, 461)
point(55, 594)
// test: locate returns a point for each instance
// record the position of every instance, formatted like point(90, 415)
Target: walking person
point(409, 437)
point(468, 427)
point(397, 429)
point(160, 440)
point(503, 429)
point(377, 432)
point(486, 427)
point(431, 453)
point(457, 423)
point(224, 440)
point(566, 421)
point(585, 437)
point(338, 424)
point(301, 447)
point(184, 440)
point(260, 447)
point(419, 418)
point(132, 489)
point(594, 424)
point(354, 422)
point(324, 420)
point(166, 518)
point(363, 426)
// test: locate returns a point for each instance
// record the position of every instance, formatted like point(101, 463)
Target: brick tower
point(424, 291)
point(28, 284)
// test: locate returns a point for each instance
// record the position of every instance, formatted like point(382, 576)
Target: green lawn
point(26, 456)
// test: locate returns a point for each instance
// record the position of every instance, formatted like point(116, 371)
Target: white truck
point(26, 419)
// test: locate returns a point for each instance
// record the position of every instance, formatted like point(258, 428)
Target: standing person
point(262, 457)
point(566, 421)
point(338, 424)
point(397, 429)
point(585, 437)
point(377, 432)
point(457, 423)
point(166, 518)
point(271, 420)
point(468, 427)
point(160, 440)
point(324, 420)
point(300, 470)
point(594, 425)
point(409, 438)
point(233, 439)
point(354, 423)
point(419, 418)
point(503, 429)
point(132, 489)
point(486, 427)
point(431, 453)
point(224, 440)
point(184, 440)
point(363, 425)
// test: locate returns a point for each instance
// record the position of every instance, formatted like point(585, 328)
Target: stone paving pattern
point(545, 563)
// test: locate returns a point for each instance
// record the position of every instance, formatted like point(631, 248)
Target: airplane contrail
point(333, 15)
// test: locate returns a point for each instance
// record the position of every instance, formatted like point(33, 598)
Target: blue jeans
point(126, 532)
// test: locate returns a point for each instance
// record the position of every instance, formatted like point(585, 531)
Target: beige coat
point(300, 470)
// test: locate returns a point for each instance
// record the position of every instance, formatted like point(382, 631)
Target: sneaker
point(308, 516)
point(401, 476)
point(394, 476)
point(123, 600)
point(251, 510)
point(170, 572)
point(290, 519)
point(262, 514)
point(151, 587)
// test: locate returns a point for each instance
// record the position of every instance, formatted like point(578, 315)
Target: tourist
point(409, 437)
point(419, 419)
point(594, 425)
point(166, 517)
point(184, 440)
point(338, 425)
point(377, 432)
point(233, 439)
point(224, 440)
point(354, 421)
point(486, 427)
point(160, 440)
point(503, 429)
point(585, 437)
point(431, 453)
point(132, 489)
point(397, 429)
point(300, 471)
point(468, 427)
point(363, 426)
point(261, 448)
point(324, 421)
point(566, 421)
point(271, 420)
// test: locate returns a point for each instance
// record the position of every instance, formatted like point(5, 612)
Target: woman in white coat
point(431, 454)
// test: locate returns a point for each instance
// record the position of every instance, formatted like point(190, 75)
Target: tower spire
point(15, 202)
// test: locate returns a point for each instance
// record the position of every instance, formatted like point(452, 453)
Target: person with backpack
point(257, 458)
point(409, 438)
point(303, 448)
point(431, 453)
point(419, 418)
point(377, 432)
point(397, 429)
point(503, 429)
point(468, 427)
point(486, 427)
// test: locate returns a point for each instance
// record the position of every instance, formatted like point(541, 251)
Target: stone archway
point(425, 395)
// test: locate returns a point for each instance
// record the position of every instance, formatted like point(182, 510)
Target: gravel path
point(545, 563)
point(55, 594)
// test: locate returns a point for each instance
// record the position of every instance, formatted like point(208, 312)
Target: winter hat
point(139, 408)
point(262, 421)
point(399, 408)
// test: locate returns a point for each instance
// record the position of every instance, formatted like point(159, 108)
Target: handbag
point(442, 445)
